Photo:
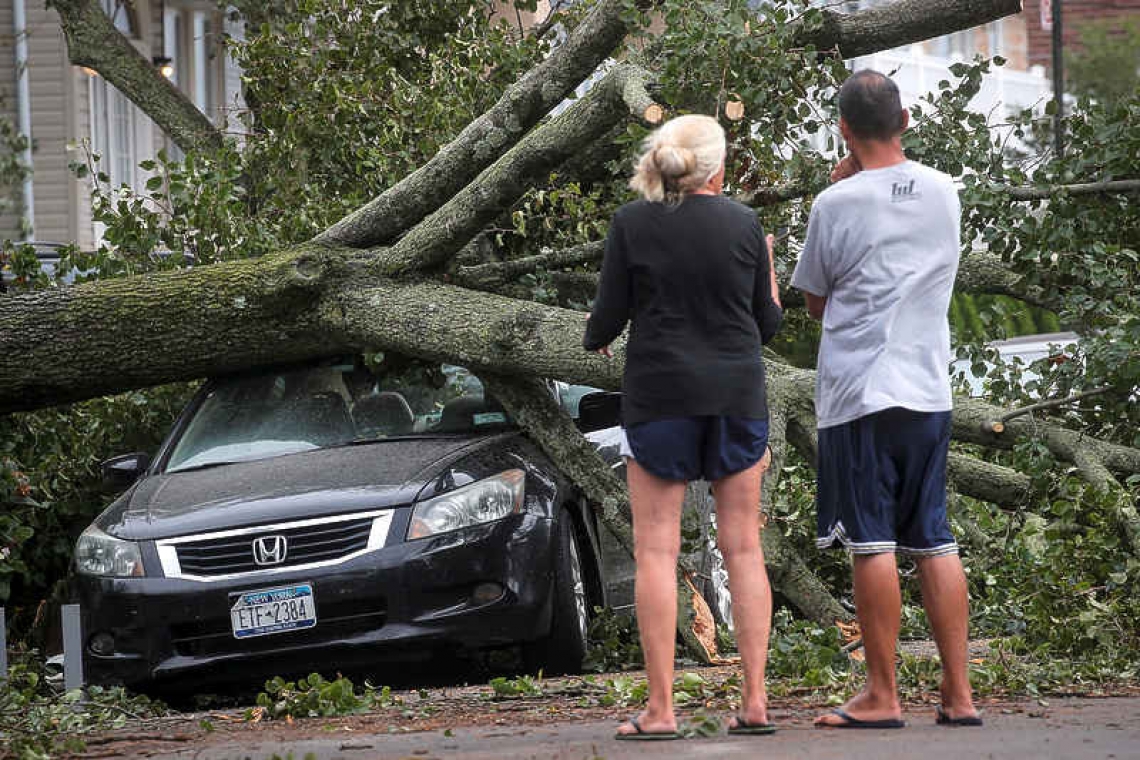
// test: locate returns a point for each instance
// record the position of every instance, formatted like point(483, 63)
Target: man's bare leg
point(738, 536)
point(656, 506)
point(878, 607)
point(944, 595)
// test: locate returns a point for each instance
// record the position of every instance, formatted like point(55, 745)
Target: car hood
point(294, 486)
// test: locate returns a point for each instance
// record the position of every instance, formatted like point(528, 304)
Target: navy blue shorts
point(696, 448)
point(882, 484)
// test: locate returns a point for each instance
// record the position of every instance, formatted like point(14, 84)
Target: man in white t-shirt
point(878, 268)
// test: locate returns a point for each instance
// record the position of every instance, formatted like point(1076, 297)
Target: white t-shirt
point(882, 247)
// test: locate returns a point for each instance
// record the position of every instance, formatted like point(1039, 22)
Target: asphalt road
point(1063, 728)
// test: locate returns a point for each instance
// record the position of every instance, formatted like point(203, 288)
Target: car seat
point(469, 413)
point(383, 414)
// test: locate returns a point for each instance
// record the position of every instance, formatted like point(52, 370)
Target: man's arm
point(811, 275)
point(815, 304)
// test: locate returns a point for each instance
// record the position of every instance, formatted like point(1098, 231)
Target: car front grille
point(270, 548)
point(235, 554)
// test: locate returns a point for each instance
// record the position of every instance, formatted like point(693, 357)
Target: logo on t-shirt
point(904, 192)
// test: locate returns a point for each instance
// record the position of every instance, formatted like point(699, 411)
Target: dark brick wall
point(1040, 41)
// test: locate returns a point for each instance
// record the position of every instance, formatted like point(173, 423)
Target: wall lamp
point(164, 65)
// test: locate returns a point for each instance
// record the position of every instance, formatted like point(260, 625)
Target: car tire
point(563, 650)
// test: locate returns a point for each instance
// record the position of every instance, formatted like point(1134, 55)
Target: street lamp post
point(1058, 83)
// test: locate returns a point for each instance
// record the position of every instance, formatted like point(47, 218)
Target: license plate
point(273, 610)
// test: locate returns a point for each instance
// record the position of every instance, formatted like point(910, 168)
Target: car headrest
point(385, 413)
point(469, 413)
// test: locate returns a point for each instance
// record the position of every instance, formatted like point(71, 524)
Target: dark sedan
point(330, 516)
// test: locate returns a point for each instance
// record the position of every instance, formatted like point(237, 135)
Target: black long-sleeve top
point(693, 280)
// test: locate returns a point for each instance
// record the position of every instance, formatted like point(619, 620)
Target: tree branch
point(94, 42)
point(978, 272)
point(900, 23)
point(1044, 192)
point(486, 276)
point(459, 220)
point(983, 272)
point(1094, 459)
point(984, 481)
point(777, 194)
point(525, 102)
point(488, 137)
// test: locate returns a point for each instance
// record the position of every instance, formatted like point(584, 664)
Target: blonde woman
point(691, 272)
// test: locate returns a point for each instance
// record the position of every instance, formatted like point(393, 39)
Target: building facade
point(1075, 13)
point(71, 112)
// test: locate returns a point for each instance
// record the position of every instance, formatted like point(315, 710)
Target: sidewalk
point(1064, 728)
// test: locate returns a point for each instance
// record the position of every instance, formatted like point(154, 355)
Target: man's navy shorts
point(696, 448)
point(882, 484)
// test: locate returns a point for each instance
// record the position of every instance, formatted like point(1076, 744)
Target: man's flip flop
point(640, 735)
point(744, 728)
point(966, 720)
point(852, 722)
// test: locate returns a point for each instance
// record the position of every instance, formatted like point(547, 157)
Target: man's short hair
point(869, 103)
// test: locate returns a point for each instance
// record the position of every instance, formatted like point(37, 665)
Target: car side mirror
point(598, 411)
point(121, 471)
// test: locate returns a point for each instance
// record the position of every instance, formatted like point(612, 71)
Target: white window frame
point(119, 133)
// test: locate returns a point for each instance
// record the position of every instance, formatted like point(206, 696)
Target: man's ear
point(904, 120)
point(844, 130)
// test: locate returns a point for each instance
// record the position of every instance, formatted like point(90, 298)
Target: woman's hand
point(605, 351)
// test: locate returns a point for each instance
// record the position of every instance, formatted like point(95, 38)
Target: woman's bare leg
point(656, 505)
point(738, 536)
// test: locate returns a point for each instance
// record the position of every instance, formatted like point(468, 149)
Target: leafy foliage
point(522, 686)
point(50, 482)
point(36, 722)
point(353, 98)
point(1106, 67)
point(12, 170)
point(613, 642)
point(316, 697)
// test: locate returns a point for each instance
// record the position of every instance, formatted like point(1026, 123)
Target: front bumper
point(405, 600)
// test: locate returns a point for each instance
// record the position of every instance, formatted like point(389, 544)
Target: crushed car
point(341, 514)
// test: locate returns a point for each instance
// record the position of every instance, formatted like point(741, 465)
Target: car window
point(1016, 358)
point(569, 396)
point(291, 410)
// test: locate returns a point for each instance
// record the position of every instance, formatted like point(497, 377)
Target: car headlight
point(96, 553)
point(480, 502)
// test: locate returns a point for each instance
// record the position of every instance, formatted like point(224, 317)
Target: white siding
point(9, 223)
point(233, 104)
point(47, 68)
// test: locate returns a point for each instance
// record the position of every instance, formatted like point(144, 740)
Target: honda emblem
point(269, 550)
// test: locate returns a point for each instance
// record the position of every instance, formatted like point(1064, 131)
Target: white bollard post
point(72, 647)
point(3, 646)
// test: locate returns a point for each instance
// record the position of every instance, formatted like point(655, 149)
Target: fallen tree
point(417, 268)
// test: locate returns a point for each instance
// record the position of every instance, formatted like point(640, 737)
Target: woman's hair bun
point(674, 160)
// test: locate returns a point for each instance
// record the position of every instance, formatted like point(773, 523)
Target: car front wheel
point(565, 648)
